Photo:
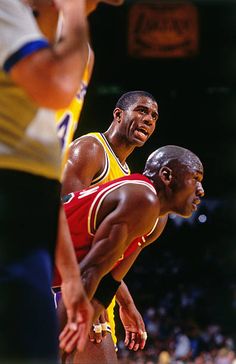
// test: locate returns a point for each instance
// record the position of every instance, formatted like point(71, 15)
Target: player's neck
point(119, 146)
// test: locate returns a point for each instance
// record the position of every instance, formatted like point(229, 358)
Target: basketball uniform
point(82, 209)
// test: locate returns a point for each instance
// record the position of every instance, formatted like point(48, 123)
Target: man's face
point(187, 190)
point(138, 122)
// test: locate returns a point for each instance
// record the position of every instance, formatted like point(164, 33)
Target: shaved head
point(171, 156)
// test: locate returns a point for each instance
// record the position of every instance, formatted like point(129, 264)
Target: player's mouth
point(141, 133)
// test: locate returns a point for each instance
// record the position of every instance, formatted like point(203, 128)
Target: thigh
point(28, 219)
point(29, 208)
point(102, 353)
point(28, 324)
point(94, 353)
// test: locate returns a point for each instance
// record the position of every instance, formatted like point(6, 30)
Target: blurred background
point(184, 53)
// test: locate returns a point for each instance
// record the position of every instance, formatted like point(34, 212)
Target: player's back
point(82, 209)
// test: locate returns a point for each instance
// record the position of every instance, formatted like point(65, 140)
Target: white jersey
point(28, 136)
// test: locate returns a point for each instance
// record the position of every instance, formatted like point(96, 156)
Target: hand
point(79, 317)
point(135, 332)
point(99, 328)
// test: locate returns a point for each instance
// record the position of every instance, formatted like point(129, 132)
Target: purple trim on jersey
point(124, 168)
point(26, 50)
point(82, 92)
point(104, 173)
point(56, 291)
point(57, 298)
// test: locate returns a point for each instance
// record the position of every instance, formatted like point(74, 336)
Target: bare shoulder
point(140, 200)
point(141, 208)
point(85, 140)
point(142, 193)
point(85, 161)
point(86, 144)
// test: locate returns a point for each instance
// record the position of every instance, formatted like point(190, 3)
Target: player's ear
point(165, 173)
point(117, 113)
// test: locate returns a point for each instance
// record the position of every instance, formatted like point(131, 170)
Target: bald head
point(174, 157)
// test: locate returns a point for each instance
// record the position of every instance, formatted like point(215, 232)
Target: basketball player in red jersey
point(110, 224)
point(97, 158)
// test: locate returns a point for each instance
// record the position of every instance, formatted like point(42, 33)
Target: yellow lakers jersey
point(28, 136)
point(67, 119)
point(113, 168)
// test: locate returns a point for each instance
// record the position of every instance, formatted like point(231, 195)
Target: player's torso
point(28, 138)
point(82, 209)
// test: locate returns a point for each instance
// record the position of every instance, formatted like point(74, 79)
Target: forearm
point(92, 274)
point(123, 296)
point(57, 70)
point(71, 52)
point(65, 256)
point(108, 246)
point(90, 279)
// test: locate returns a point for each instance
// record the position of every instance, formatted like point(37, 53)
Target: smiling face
point(137, 123)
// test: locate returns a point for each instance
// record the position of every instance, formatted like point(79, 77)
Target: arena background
point(196, 96)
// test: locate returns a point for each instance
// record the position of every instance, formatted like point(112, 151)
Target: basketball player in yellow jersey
point(94, 159)
point(51, 24)
point(67, 119)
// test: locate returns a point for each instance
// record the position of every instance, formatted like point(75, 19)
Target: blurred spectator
point(164, 358)
point(182, 350)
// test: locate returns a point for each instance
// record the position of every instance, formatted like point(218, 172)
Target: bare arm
point(118, 228)
point(123, 295)
point(107, 249)
point(78, 308)
point(85, 160)
point(135, 331)
point(121, 270)
point(65, 253)
point(57, 71)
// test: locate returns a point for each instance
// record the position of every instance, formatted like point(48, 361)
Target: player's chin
point(139, 142)
point(190, 210)
point(187, 212)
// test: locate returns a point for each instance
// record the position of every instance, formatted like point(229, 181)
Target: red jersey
point(82, 209)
